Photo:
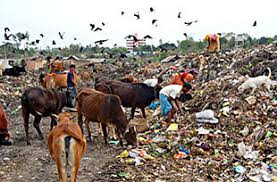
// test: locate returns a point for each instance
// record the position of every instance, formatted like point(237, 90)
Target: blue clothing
point(165, 105)
point(70, 78)
point(154, 105)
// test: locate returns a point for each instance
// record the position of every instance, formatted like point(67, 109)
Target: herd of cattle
point(102, 104)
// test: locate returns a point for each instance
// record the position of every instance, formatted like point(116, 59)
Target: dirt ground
point(21, 163)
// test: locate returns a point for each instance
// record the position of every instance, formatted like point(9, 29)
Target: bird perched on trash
point(101, 41)
point(179, 15)
point(151, 9)
point(92, 26)
point(255, 23)
point(147, 37)
point(61, 35)
point(132, 36)
point(137, 15)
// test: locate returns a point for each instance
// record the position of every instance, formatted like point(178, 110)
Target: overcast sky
point(73, 17)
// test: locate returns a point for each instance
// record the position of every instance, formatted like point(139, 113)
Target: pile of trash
point(220, 134)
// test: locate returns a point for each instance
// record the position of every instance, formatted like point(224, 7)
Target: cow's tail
point(269, 72)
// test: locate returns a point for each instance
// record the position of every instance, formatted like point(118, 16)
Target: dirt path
point(21, 163)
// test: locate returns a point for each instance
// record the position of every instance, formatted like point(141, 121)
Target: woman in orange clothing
point(184, 77)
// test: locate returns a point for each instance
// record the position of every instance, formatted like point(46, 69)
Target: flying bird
point(37, 41)
point(147, 37)
point(98, 29)
point(60, 49)
point(154, 21)
point(186, 35)
point(137, 15)
point(132, 36)
point(53, 42)
point(61, 35)
point(92, 26)
point(24, 36)
point(179, 15)
point(188, 23)
point(101, 41)
point(115, 45)
point(75, 38)
point(7, 37)
point(41, 35)
point(33, 43)
point(122, 13)
point(151, 9)
point(103, 24)
point(255, 23)
point(6, 29)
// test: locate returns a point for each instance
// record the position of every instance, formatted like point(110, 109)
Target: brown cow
point(67, 145)
point(5, 136)
point(105, 109)
point(56, 66)
point(55, 80)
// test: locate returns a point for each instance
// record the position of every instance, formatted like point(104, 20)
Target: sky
point(73, 17)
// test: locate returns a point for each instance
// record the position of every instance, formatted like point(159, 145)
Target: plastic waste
point(172, 127)
point(240, 169)
point(206, 116)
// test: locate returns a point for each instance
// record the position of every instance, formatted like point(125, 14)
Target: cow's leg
point(88, 130)
point(76, 163)
point(104, 128)
point(133, 112)
point(26, 115)
point(80, 121)
point(120, 137)
point(143, 112)
point(36, 125)
point(53, 122)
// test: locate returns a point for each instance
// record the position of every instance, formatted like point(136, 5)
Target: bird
point(188, 23)
point(6, 29)
point(41, 53)
point(154, 21)
point(137, 15)
point(33, 43)
point(115, 45)
point(147, 37)
point(103, 24)
point(122, 13)
point(101, 41)
point(75, 38)
point(24, 36)
point(37, 41)
point(81, 49)
point(123, 55)
point(132, 36)
point(163, 49)
point(7, 37)
point(41, 35)
point(179, 15)
point(98, 29)
point(61, 35)
point(53, 42)
point(60, 49)
point(255, 23)
point(92, 26)
point(185, 34)
point(151, 9)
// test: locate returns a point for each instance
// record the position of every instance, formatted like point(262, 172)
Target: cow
point(5, 136)
point(14, 71)
point(42, 103)
point(56, 66)
point(105, 109)
point(131, 94)
point(67, 145)
point(55, 80)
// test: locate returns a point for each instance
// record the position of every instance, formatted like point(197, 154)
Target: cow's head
point(131, 135)
point(157, 90)
point(5, 138)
